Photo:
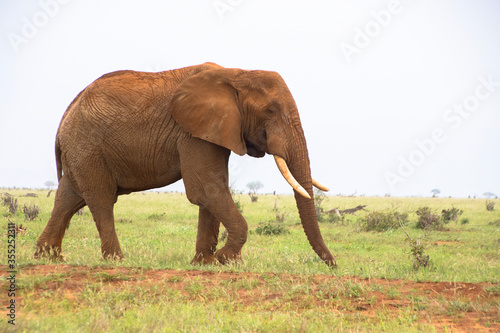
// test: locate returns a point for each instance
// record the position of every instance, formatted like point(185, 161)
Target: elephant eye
point(271, 112)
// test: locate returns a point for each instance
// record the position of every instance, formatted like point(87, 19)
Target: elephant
point(131, 131)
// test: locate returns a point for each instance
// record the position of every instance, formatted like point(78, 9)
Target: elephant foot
point(115, 256)
point(204, 259)
point(330, 261)
point(50, 252)
point(226, 256)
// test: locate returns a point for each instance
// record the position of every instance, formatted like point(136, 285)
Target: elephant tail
point(58, 161)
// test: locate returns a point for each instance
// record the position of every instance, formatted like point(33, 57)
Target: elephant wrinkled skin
point(131, 131)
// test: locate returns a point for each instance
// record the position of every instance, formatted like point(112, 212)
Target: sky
point(395, 97)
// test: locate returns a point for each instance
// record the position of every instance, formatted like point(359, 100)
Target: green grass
point(158, 231)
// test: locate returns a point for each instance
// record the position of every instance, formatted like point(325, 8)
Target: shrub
point(495, 223)
point(237, 201)
point(13, 206)
point(319, 196)
point(490, 206)
point(450, 214)
point(156, 217)
point(428, 220)
point(8, 200)
point(31, 212)
point(330, 217)
point(417, 251)
point(280, 217)
point(464, 220)
point(322, 215)
point(383, 221)
point(271, 229)
point(239, 205)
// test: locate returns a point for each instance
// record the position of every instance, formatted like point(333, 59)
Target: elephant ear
point(206, 106)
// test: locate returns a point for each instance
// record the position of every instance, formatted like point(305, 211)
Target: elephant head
point(254, 113)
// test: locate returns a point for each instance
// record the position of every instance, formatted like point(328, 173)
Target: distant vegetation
point(253, 188)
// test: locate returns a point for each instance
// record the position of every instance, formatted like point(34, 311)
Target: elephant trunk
point(298, 163)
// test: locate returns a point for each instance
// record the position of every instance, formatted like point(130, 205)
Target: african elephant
point(131, 131)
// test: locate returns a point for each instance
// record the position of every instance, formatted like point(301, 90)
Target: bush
point(239, 205)
point(383, 221)
point(417, 251)
point(490, 206)
point(321, 214)
point(428, 220)
point(8, 200)
point(280, 217)
point(271, 229)
point(13, 206)
point(330, 217)
point(495, 223)
point(31, 212)
point(237, 201)
point(156, 217)
point(319, 196)
point(450, 214)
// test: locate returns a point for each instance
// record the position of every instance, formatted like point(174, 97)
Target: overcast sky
point(397, 97)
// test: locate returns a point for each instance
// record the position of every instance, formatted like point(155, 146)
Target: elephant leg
point(206, 178)
point(66, 204)
point(237, 230)
point(102, 213)
point(207, 238)
point(100, 193)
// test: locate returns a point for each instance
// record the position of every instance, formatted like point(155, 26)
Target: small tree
point(435, 192)
point(490, 195)
point(50, 184)
point(253, 188)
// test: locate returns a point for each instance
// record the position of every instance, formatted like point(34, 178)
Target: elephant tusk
point(280, 162)
point(320, 186)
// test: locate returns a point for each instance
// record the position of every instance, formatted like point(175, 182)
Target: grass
point(158, 231)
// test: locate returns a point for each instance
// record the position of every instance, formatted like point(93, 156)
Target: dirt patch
point(446, 242)
point(459, 306)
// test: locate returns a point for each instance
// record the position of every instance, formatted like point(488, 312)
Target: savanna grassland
point(280, 285)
